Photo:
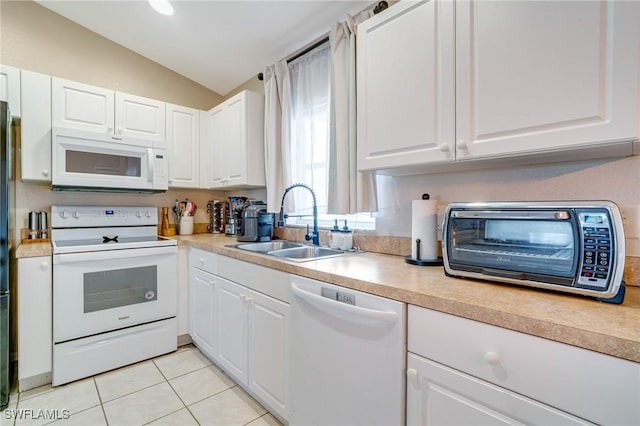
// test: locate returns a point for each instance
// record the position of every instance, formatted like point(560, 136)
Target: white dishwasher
point(348, 364)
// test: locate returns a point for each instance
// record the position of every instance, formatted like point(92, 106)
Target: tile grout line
point(104, 413)
point(176, 393)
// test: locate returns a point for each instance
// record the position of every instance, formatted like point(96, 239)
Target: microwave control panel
point(597, 255)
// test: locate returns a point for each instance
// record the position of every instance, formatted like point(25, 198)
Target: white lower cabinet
point(202, 302)
point(35, 301)
point(232, 328)
point(244, 331)
point(463, 372)
point(438, 395)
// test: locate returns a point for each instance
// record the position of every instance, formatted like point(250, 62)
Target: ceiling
point(219, 44)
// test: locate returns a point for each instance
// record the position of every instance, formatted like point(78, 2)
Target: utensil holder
point(185, 226)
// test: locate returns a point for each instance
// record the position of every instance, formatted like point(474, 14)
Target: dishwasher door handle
point(343, 308)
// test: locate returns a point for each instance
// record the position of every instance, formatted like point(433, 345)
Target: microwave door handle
point(150, 164)
point(528, 215)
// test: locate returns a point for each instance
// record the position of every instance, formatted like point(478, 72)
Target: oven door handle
point(113, 254)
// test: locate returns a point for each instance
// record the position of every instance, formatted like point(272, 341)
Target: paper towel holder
point(422, 262)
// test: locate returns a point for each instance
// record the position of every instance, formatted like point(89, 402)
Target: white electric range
point(114, 289)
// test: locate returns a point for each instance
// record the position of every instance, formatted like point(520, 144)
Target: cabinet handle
point(492, 358)
point(444, 147)
point(45, 172)
point(412, 374)
point(461, 144)
point(44, 265)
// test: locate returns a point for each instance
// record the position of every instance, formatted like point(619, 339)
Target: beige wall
point(252, 84)
point(34, 38)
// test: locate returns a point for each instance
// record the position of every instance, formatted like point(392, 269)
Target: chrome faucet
point(315, 236)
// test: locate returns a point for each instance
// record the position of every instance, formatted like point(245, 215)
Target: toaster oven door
point(527, 245)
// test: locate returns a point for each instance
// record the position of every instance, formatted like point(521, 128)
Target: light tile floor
point(182, 388)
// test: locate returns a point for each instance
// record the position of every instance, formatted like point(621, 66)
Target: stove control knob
point(76, 214)
point(148, 213)
point(139, 213)
point(64, 214)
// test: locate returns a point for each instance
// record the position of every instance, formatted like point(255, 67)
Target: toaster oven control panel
point(597, 254)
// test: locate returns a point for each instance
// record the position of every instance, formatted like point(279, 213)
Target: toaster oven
point(575, 247)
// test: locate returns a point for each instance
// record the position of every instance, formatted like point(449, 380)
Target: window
point(310, 132)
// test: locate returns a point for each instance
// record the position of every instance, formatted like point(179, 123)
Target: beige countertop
point(602, 327)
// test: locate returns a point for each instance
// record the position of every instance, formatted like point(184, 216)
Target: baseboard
point(34, 381)
point(184, 340)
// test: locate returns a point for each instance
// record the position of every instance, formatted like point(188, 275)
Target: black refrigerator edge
point(6, 245)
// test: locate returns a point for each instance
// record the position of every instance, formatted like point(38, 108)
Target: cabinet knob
point(461, 144)
point(412, 374)
point(492, 358)
point(44, 265)
point(444, 147)
point(45, 172)
point(201, 260)
point(109, 130)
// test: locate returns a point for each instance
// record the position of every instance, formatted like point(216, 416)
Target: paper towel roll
point(424, 226)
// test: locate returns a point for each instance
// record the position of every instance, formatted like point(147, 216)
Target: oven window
point(535, 246)
point(120, 287)
point(102, 164)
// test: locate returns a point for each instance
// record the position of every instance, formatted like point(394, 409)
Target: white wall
point(616, 180)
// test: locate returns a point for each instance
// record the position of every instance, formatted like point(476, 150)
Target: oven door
point(108, 290)
point(533, 245)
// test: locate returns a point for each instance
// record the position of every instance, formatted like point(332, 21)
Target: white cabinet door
point(540, 76)
point(10, 88)
point(202, 309)
point(140, 118)
point(234, 142)
point(269, 351)
point(215, 161)
point(183, 140)
point(81, 106)
point(235, 145)
point(35, 300)
point(438, 395)
point(35, 128)
point(405, 77)
point(233, 301)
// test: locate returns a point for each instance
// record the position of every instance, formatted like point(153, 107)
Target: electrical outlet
point(631, 221)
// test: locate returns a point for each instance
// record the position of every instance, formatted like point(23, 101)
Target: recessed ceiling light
point(162, 6)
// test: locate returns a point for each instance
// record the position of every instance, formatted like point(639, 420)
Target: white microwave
point(89, 161)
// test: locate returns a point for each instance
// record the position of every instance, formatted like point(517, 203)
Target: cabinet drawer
point(205, 260)
point(590, 385)
point(265, 280)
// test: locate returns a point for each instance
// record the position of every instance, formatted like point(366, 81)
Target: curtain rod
point(377, 9)
point(302, 53)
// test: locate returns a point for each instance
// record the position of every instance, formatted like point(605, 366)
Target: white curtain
point(277, 133)
point(351, 191)
point(310, 81)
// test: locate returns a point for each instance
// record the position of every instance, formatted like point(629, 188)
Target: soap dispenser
point(347, 238)
point(336, 236)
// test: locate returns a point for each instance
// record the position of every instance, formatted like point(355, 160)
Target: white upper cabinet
point(232, 143)
point(10, 88)
point(183, 140)
point(539, 76)
point(506, 78)
point(35, 126)
point(405, 77)
point(81, 106)
point(85, 107)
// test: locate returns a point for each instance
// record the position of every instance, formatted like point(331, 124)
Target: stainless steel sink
point(267, 246)
point(306, 253)
point(289, 250)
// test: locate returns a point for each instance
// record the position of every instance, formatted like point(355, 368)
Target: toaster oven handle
point(150, 163)
point(504, 274)
point(506, 214)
